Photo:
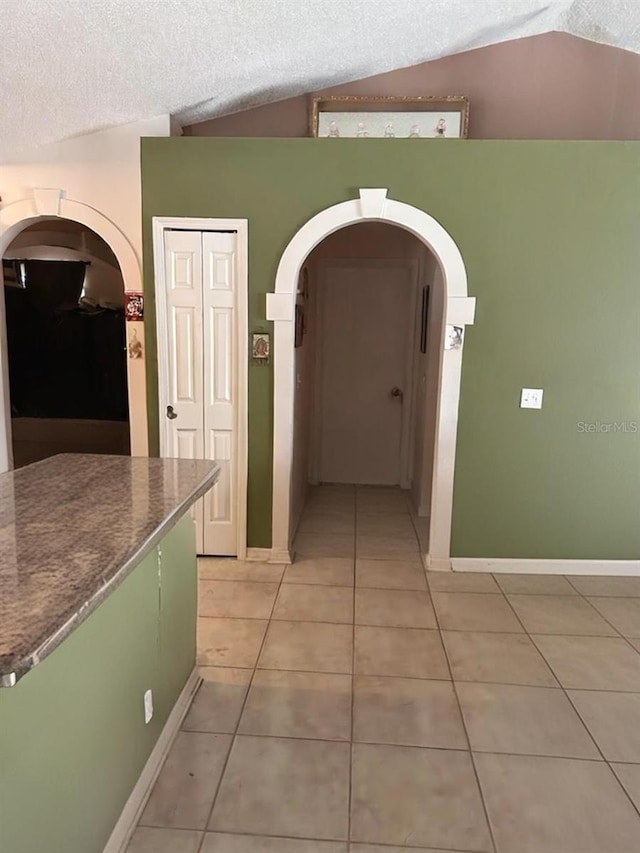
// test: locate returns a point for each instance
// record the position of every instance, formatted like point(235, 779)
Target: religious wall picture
point(260, 348)
point(365, 117)
point(134, 306)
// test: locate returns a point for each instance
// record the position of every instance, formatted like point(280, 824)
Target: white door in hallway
point(199, 382)
point(365, 347)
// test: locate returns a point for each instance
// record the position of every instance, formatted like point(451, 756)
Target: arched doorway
point(53, 204)
point(64, 305)
point(458, 310)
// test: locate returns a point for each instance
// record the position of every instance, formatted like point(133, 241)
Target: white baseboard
point(258, 555)
point(281, 556)
point(546, 567)
point(128, 820)
point(438, 564)
point(268, 555)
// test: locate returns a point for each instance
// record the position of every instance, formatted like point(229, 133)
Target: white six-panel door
point(182, 416)
point(219, 294)
point(199, 372)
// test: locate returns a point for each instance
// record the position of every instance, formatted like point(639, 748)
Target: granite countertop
point(72, 527)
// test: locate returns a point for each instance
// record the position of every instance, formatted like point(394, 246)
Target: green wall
point(550, 234)
point(72, 736)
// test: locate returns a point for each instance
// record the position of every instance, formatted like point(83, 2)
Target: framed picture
point(424, 323)
point(362, 117)
point(299, 327)
point(260, 348)
point(134, 306)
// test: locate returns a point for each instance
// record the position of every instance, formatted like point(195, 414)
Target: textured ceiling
point(72, 66)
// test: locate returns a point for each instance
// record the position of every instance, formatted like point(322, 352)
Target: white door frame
point(372, 205)
point(240, 226)
point(324, 265)
point(53, 203)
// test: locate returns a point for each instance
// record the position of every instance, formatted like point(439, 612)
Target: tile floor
point(353, 702)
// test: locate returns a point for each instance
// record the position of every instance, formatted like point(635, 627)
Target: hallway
point(357, 522)
point(354, 702)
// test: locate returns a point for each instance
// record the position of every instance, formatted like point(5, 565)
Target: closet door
point(183, 384)
point(220, 388)
point(201, 363)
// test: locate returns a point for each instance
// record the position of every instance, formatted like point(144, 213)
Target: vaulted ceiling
point(72, 66)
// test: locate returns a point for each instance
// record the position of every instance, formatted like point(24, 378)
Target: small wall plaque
point(453, 337)
point(134, 306)
point(260, 348)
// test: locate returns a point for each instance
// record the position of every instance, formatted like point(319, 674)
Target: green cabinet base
point(73, 739)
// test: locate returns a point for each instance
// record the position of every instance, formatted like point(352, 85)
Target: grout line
point(237, 580)
point(557, 686)
point(260, 835)
point(572, 585)
point(602, 616)
point(601, 594)
point(392, 848)
point(407, 627)
point(319, 586)
point(616, 635)
point(407, 745)
point(234, 735)
point(249, 580)
point(497, 591)
point(466, 734)
point(353, 672)
point(635, 805)
point(568, 698)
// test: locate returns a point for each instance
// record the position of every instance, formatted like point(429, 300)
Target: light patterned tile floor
point(354, 703)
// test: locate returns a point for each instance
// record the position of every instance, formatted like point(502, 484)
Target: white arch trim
point(372, 205)
point(15, 217)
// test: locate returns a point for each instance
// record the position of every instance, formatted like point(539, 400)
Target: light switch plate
point(531, 398)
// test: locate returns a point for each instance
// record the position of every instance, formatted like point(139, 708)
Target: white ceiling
point(72, 66)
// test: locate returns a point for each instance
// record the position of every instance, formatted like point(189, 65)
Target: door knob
point(171, 414)
point(397, 392)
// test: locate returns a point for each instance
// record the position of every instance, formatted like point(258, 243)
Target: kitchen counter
point(72, 528)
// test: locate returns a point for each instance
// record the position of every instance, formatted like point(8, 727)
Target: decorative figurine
point(441, 128)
